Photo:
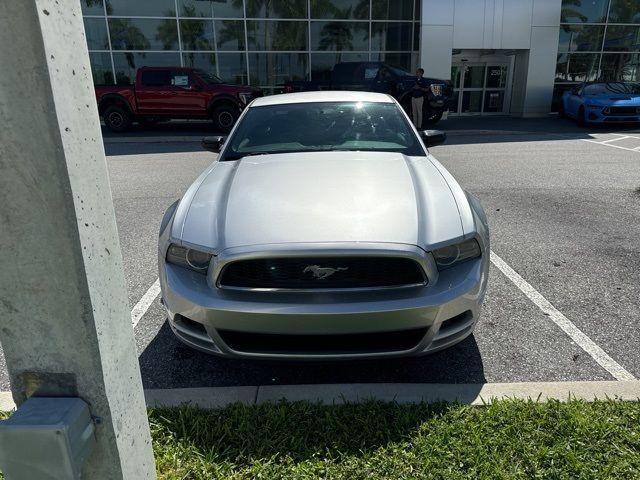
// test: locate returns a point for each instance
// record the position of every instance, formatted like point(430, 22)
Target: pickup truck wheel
point(431, 118)
point(117, 119)
point(224, 117)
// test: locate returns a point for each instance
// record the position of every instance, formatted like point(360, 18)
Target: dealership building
point(503, 56)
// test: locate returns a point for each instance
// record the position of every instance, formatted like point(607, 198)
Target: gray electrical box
point(46, 439)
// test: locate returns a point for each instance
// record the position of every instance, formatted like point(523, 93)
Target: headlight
point(189, 258)
point(436, 89)
point(447, 257)
point(245, 97)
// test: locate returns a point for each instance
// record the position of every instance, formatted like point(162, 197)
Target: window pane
point(404, 61)
point(581, 38)
point(277, 9)
point(194, 8)
point(621, 66)
point(127, 63)
point(230, 34)
point(391, 36)
point(416, 36)
point(232, 68)
point(322, 63)
point(473, 76)
point(92, 7)
point(392, 9)
point(577, 11)
point(624, 11)
point(270, 69)
point(493, 101)
point(340, 9)
point(101, 68)
point(274, 35)
point(143, 34)
point(622, 38)
point(228, 9)
point(96, 32)
point(577, 67)
point(155, 78)
point(471, 102)
point(496, 76)
point(149, 8)
point(339, 36)
point(197, 34)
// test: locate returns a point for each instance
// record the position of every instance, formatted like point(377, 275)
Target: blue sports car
point(602, 102)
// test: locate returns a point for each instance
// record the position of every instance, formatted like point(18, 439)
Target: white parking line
point(145, 302)
point(607, 144)
point(621, 137)
point(588, 345)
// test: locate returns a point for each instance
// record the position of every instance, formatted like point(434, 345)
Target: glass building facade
point(599, 40)
point(259, 42)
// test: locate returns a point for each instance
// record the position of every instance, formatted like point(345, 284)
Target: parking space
point(564, 209)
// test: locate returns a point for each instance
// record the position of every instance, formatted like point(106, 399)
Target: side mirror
point(431, 138)
point(213, 144)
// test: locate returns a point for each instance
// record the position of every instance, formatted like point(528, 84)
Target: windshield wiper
point(238, 156)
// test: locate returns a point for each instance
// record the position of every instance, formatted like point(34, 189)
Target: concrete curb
point(329, 394)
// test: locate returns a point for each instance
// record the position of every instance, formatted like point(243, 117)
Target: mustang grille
point(622, 110)
point(322, 273)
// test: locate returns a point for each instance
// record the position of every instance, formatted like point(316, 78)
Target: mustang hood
point(319, 197)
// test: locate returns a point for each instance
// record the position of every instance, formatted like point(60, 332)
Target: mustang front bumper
point(398, 322)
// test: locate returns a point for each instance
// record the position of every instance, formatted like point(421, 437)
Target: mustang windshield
point(311, 127)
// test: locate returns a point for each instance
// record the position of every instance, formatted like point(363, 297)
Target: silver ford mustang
point(324, 229)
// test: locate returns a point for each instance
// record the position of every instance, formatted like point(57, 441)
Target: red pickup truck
point(163, 93)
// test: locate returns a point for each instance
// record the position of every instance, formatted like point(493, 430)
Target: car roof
point(324, 96)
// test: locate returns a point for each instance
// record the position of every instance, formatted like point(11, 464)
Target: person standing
point(418, 93)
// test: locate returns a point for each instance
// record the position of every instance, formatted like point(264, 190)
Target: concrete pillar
point(65, 325)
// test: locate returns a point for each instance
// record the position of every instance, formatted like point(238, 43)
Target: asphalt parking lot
point(564, 211)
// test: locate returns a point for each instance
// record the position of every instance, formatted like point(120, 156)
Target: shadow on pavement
point(167, 363)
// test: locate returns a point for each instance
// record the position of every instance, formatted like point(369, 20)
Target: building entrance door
point(480, 88)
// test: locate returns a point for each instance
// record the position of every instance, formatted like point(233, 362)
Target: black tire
point(561, 112)
point(224, 117)
point(117, 119)
point(431, 117)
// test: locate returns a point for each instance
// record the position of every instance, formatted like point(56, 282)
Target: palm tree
point(336, 36)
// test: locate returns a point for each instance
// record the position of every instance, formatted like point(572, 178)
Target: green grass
point(503, 440)
point(507, 439)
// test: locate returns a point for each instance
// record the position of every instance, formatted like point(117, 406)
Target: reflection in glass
point(474, 76)
point(416, 36)
point(322, 63)
point(577, 11)
point(96, 32)
point(144, 8)
point(577, 67)
point(228, 9)
point(127, 63)
point(203, 60)
point(339, 36)
point(275, 35)
point(271, 69)
point(621, 66)
point(471, 102)
point(622, 38)
point(232, 68)
point(584, 38)
point(392, 9)
point(194, 8)
point(340, 9)
point(101, 68)
point(230, 34)
point(496, 76)
point(403, 60)
point(92, 7)
point(493, 101)
point(143, 34)
point(196, 34)
point(624, 11)
point(276, 9)
point(455, 76)
point(391, 36)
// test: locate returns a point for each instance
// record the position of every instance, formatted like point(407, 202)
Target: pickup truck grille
point(322, 273)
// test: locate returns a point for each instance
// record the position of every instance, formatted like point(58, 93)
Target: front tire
point(224, 117)
point(117, 119)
